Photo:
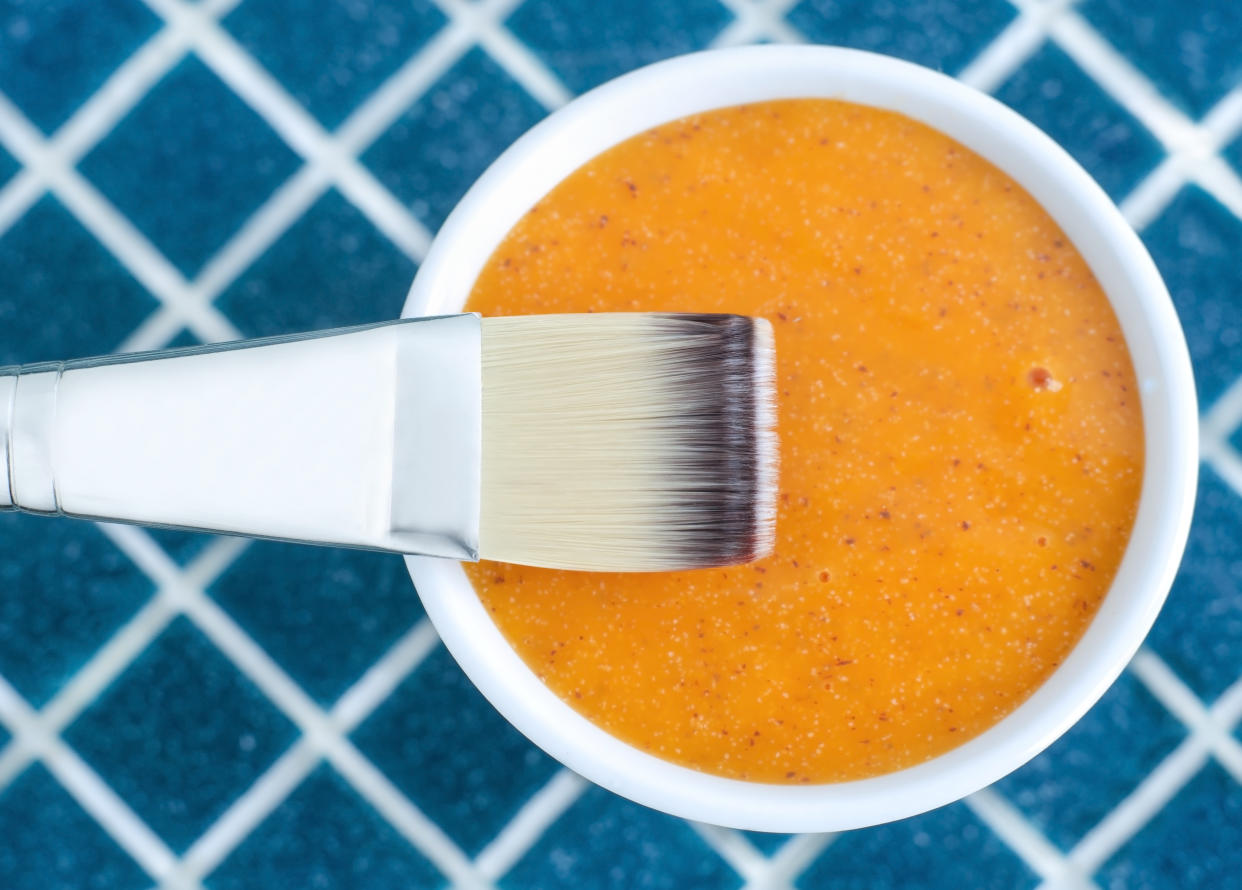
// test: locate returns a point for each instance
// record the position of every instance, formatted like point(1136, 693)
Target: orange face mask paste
point(961, 442)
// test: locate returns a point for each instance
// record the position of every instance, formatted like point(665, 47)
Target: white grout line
point(382, 679)
point(83, 784)
point(1118, 76)
point(528, 825)
point(103, 667)
point(275, 785)
point(108, 809)
point(1219, 179)
point(1225, 414)
point(1138, 808)
point(122, 91)
point(317, 727)
point(1203, 723)
point(109, 226)
point(1228, 707)
point(394, 806)
point(1014, 46)
point(52, 163)
point(1027, 841)
point(792, 859)
point(108, 663)
point(1155, 192)
point(1209, 734)
point(269, 99)
point(484, 21)
point(1191, 147)
point(733, 847)
point(330, 159)
point(228, 832)
point(755, 20)
point(20, 194)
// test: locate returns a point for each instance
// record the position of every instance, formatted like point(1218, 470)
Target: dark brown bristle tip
point(726, 377)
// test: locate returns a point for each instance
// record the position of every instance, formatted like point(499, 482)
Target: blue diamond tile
point(1235, 439)
point(604, 841)
point(945, 848)
point(55, 53)
point(934, 33)
point(51, 844)
point(64, 296)
point(1069, 788)
point(1195, 242)
point(189, 164)
point(324, 836)
point(767, 842)
point(185, 337)
point(1233, 154)
point(180, 734)
point(332, 60)
point(8, 166)
point(64, 590)
point(1055, 94)
point(1192, 844)
point(181, 546)
point(325, 614)
point(587, 42)
point(441, 742)
point(1189, 48)
point(332, 269)
point(1199, 632)
point(436, 150)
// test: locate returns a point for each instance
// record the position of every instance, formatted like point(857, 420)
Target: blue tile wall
point(334, 56)
point(1188, 49)
point(180, 734)
point(604, 841)
point(55, 53)
point(1233, 152)
point(425, 739)
point(183, 729)
point(1069, 788)
point(1054, 93)
point(341, 270)
point(46, 257)
point(35, 808)
point(1182, 846)
point(190, 164)
point(1200, 632)
point(587, 42)
point(435, 151)
point(767, 841)
point(181, 546)
point(948, 847)
point(8, 166)
point(324, 835)
point(87, 589)
point(1194, 243)
point(325, 615)
point(931, 32)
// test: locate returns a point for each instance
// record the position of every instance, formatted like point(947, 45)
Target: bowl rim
point(720, 78)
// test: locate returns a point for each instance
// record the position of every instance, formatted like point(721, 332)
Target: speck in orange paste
point(961, 442)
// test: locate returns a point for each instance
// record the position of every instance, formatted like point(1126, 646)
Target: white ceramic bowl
point(672, 89)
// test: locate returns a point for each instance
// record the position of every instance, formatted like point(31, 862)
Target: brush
point(607, 442)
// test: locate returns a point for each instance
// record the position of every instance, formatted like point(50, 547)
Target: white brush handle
point(365, 437)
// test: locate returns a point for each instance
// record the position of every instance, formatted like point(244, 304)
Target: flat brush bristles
point(628, 441)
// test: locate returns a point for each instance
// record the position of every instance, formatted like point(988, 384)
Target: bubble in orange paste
point(961, 442)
